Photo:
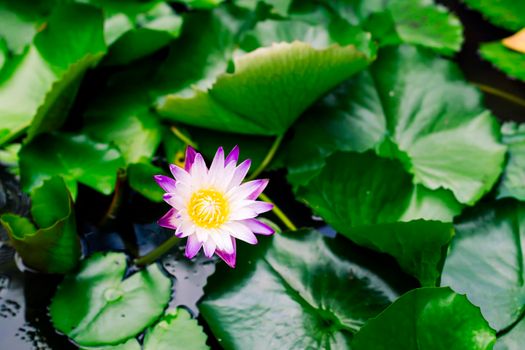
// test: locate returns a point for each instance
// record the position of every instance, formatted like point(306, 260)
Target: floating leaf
point(419, 23)
point(4, 53)
point(131, 344)
point(75, 157)
point(54, 246)
point(125, 120)
point(513, 339)
point(38, 87)
point(144, 33)
point(413, 106)
point(299, 291)
point(508, 14)
point(20, 21)
point(485, 261)
point(427, 318)
point(140, 177)
point(510, 62)
point(96, 307)
point(364, 197)
point(176, 330)
point(279, 7)
point(513, 181)
point(255, 95)
point(201, 4)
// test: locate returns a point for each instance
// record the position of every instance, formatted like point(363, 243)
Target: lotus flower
point(212, 207)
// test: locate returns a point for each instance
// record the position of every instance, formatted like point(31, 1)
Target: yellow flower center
point(208, 208)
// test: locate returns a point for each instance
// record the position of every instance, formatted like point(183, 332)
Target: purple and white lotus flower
point(212, 207)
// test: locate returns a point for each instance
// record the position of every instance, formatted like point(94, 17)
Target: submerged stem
point(157, 252)
point(279, 213)
point(505, 95)
point(116, 201)
point(268, 158)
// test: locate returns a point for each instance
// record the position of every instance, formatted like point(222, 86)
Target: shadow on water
point(24, 295)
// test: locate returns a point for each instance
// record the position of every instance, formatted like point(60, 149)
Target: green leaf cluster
point(377, 133)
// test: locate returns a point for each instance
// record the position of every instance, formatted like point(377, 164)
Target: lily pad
point(39, 86)
point(21, 21)
point(140, 177)
point(54, 246)
point(143, 32)
point(513, 181)
point(427, 318)
point(373, 202)
point(97, 307)
point(75, 157)
point(415, 107)
point(298, 290)
point(486, 261)
point(508, 61)
point(122, 116)
point(259, 84)
point(177, 330)
point(131, 344)
point(508, 14)
point(418, 22)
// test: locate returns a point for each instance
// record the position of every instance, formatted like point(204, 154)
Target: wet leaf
point(486, 261)
point(75, 157)
point(508, 61)
point(140, 177)
point(300, 290)
point(427, 318)
point(176, 330)
point(513, 181)
point(96, 299)
point(508, 14)
point(373, 202)
point(415, 107)
point(260, 83)
point(417, 22)
point(38, 87)
point(53, 245)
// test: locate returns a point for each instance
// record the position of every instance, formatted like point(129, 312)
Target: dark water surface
point(25, 295)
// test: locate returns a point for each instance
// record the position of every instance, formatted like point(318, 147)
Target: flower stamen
point(208, 208)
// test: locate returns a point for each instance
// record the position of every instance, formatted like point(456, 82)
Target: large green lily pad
point(415, 107)
point(297, 290)
point(75, 157)
point(373, 202)
point(97, 307)
point(427, 318)
point(486, 261)
point(38, 87)
point(263, 91)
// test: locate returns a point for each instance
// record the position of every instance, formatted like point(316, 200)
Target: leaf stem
point(182, 137)
point(268, 158)
point(116, 201)
point(279, 213)
point(157, 252)
point(499, 93)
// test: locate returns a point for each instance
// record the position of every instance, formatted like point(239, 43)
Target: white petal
point(217, 164)
point(222, 240)
point(241, 232)
point(240, 173)
point(242, 214)
point(209, 248)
